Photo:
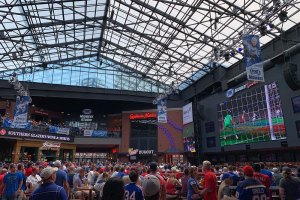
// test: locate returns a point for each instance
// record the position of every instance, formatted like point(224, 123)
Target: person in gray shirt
point(289, 186)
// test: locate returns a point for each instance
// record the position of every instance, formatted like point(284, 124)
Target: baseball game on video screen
point(254, 116)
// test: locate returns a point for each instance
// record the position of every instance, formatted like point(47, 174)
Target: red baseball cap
point(248, 170)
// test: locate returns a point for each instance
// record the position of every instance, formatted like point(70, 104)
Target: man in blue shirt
point(121, 173)
point(23, 188)
point(13, 182)
point(268, 173)
point(49, 190)
point(250, 188)
point(235, 177)
point(61, 176)
point(132, 190)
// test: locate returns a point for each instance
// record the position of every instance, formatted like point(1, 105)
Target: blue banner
point(162, 110)
point(59, 130)
point(21, 112)
point(253, 58)
point(99, 133)
point(9, 124)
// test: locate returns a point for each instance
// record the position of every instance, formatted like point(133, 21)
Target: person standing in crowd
point(235, 177)
point(132, 190)
point(70, 177)
point(151, 187)
point(250, 188)
point(265, 171)
point(48, 190)
point(289, 186)
point(116, 171)
point(121, 173)
point(193, 187)
point(23, 188)
point(264, 179)
point(33, 181)
point(113, 189)
point(28, 170)
point(184, 182)
point(13, 183)
point(224, 191)
point(209, 191)
point(100, 184)
point(277, 176)
point(61, 176)
point(154, 172)
point(2, 174)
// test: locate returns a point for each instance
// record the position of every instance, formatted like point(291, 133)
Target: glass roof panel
point(146, 45)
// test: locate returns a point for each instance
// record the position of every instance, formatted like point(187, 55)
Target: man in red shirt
point(264, 179)
point(209, 191)
point(2, 174)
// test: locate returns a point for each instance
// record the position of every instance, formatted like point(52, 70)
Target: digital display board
point(254, 116)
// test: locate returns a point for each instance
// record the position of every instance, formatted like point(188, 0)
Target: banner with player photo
point(21, 112)
point(162, 111)
point(253, 58)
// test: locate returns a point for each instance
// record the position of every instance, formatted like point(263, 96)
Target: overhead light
point(14, 55)
point(271, 25)
point(263, 30)
point(170, 71)
point(226, 56)
point(240, 49)
point(276, 4)
point(232, 53)
point(283, 16)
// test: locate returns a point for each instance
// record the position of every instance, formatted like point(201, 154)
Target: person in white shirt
point(33, 181)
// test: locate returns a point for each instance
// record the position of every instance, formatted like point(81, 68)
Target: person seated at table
point(224, 191)
point(172, 182)
point(100, 184)
point(78, 183)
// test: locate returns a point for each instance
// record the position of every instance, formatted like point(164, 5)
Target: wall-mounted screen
point(189, 144)
point(254, 116)
point(188, 130)
point(296, 104)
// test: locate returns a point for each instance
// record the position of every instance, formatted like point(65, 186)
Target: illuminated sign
point(231, 92)
point(143, 116)
point(86, 118)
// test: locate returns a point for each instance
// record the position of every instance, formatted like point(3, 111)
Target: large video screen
point(189, 144)
point(254, 116)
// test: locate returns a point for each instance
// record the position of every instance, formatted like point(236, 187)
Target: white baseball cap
point(47, 172)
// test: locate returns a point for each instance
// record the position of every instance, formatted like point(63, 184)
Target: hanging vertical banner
point(253, 58)
point(21, 112)
point(162, 110)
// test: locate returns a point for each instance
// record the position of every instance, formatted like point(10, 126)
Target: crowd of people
point(152, 181)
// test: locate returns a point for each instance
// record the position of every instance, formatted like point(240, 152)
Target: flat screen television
point(189, 144)
point(296, 104)
point(254, 116)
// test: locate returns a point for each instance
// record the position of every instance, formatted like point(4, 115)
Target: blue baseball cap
point(226, 175)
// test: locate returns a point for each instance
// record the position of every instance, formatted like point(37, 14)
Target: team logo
point(2, 132)
point(229, 93)
point(87, 111)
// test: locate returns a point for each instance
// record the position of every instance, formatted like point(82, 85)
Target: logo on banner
point(253, 58)
point(231, 92)
point(162, 111)
point(2, 132)
point(187, 112)
point(21, 112)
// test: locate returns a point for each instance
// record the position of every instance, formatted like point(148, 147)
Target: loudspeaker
point(292, 76)
point(284, 144)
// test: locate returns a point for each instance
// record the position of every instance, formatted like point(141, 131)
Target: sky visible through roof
point(139, 45)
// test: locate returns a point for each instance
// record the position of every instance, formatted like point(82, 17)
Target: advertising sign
point(36, 135)
point(187, 112)
point(21, 112)
point(59, 130)
point(162, 111)
point(253, 58)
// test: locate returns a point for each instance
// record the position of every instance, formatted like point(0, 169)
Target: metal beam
point(103, 26)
